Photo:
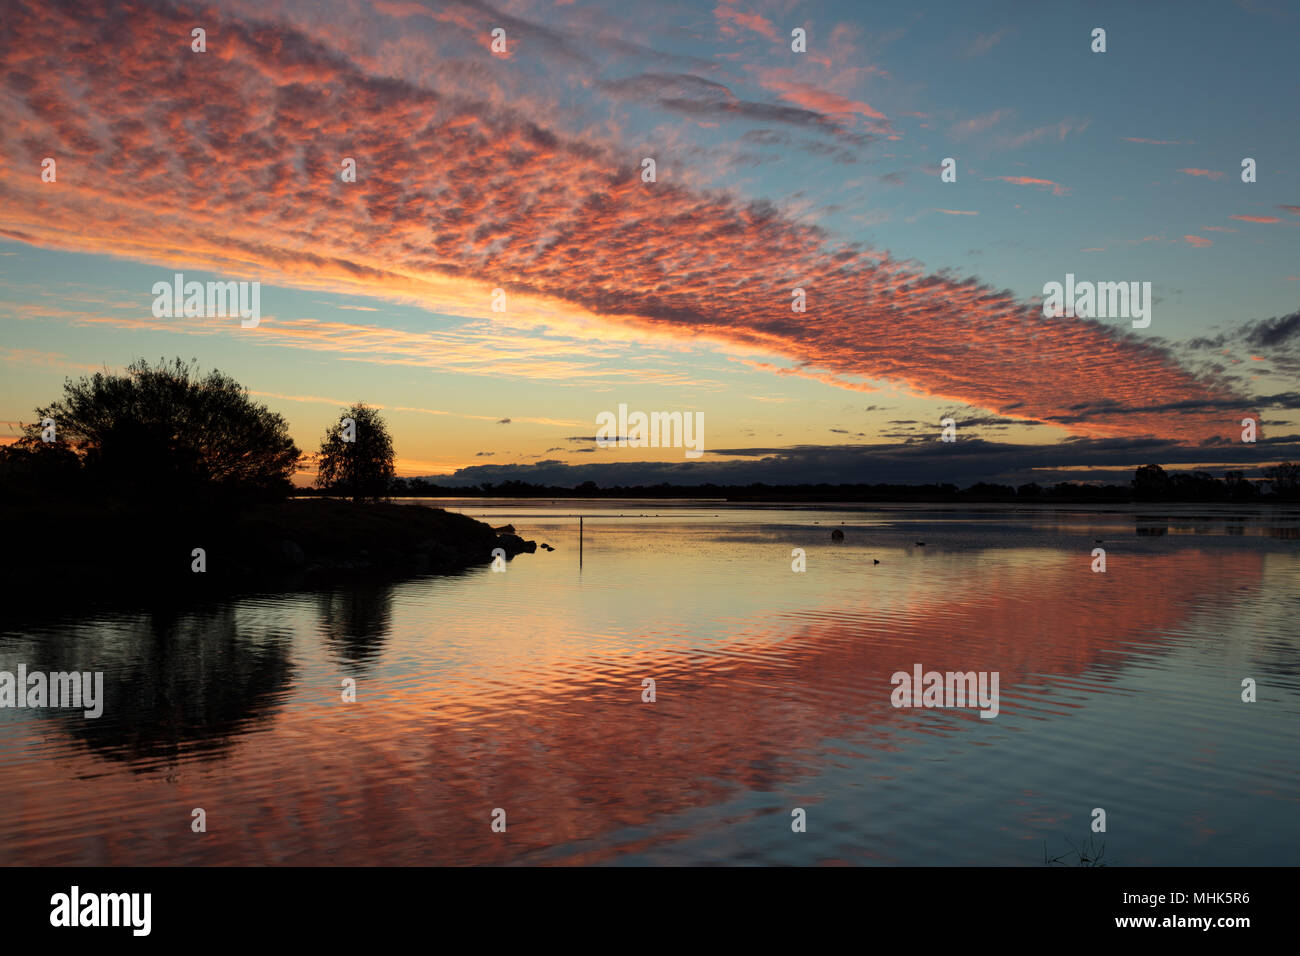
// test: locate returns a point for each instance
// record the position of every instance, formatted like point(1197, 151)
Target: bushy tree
point(1284, 478)
point(1238, 486)
point(361, 468)
point(166, 429)
point(1151, 481)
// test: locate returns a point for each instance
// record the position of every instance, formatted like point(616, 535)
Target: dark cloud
point(766, 137)
point(695, 96)
point(832, 151)
point(923, 461)
point(1277, 332)
point(1269, 333)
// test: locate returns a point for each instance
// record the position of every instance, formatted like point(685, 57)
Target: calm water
point(523, 690)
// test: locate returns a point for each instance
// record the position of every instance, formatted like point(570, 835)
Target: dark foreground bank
point(105, 546)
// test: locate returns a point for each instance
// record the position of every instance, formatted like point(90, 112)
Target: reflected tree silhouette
point(177, 684)
point(355, 622)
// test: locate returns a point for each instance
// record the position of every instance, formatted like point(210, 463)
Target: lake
point(523, 692)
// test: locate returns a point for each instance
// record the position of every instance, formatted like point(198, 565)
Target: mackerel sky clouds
point(775, 170)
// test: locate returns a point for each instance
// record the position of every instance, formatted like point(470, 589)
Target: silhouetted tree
point(360, 468)
point(1238, 486)
point(984, 489)
point(1150, 481)
point(1284, 478)
point(167, 430)
point(1197, 486)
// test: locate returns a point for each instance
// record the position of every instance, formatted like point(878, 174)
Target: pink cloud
point(1210, 173)
point(978, 124)
point(814, 98)
point(1057, 188)
point(728, 15)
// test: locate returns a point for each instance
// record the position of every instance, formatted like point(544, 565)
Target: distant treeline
point(1149, 483)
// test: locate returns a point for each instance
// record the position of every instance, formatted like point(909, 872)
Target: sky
point(521, 170)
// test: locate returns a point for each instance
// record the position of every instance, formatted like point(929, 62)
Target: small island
point(161, 479)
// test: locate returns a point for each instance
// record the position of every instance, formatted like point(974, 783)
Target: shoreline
point(91, 549)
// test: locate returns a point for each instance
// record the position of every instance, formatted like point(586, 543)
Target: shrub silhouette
point(1284, 479)
point(165, 431)
point(361, 469)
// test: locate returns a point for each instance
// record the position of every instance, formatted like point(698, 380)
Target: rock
point(512, 544)
point(505, 529)
point(546, 547)
point(837, 535)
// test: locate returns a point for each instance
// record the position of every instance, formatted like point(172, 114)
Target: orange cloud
point(1211, 173)
point(1057, 188)
point(1263, 219)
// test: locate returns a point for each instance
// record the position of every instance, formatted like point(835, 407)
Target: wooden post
point(579, 542)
